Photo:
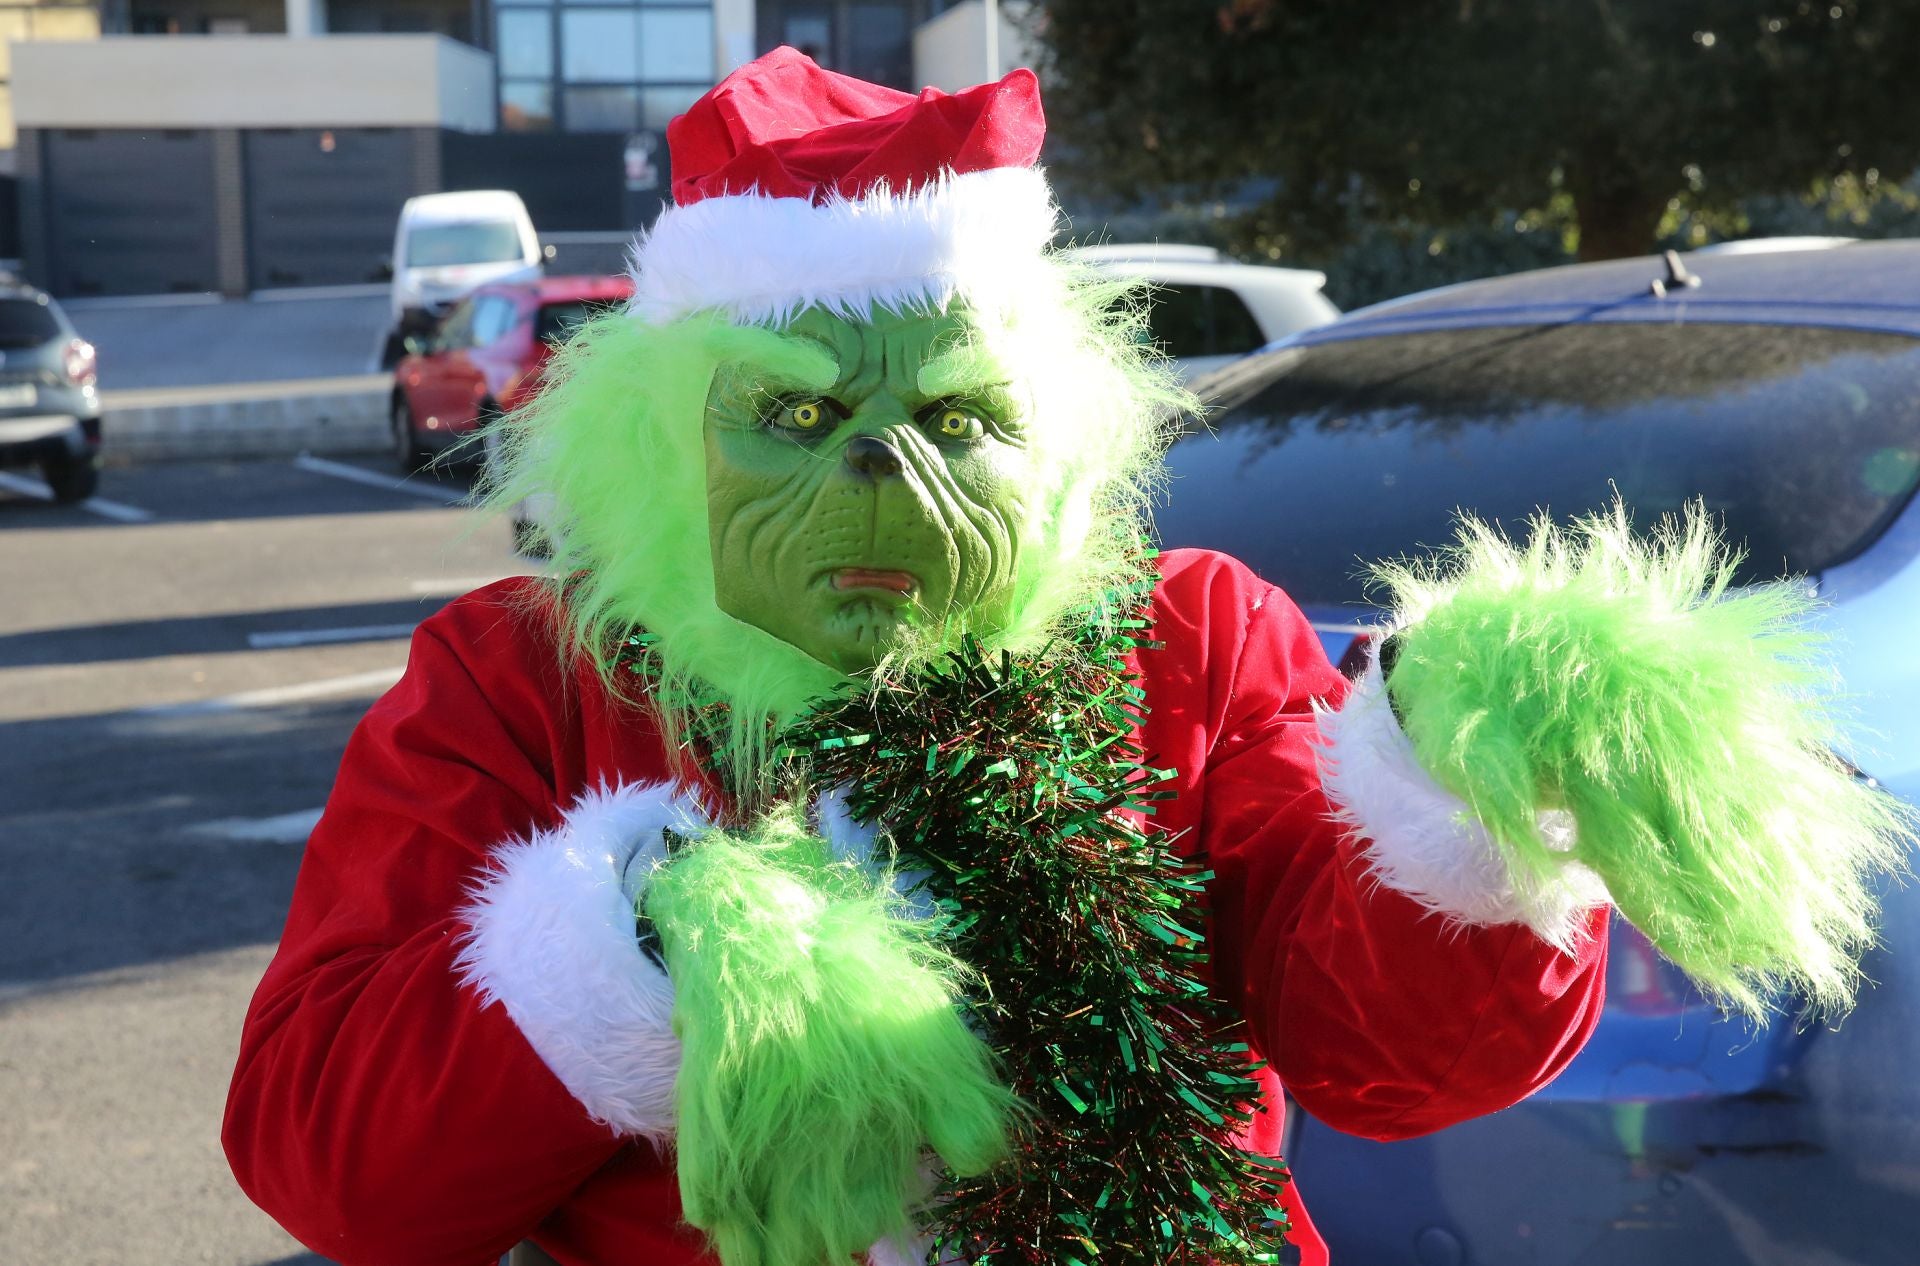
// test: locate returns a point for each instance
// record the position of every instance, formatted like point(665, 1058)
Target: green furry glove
point(1678, 723)
point(823, 1052)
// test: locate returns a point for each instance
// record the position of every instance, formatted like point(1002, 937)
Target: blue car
point(1783, 390)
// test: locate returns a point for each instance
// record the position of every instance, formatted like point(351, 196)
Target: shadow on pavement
point(213, 634)
point(104, 845)
point(236, 489)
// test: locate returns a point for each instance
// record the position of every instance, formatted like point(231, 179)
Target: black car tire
point(70, 477)
point(406, 448)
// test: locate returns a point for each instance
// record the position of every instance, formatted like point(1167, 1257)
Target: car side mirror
point(384, 272)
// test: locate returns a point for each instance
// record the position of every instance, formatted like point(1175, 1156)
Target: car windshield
point(1805, 443)
point(27, 323)
point(478, 242)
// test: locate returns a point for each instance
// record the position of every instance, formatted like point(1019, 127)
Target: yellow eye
point(956, 423)
point(805, 417)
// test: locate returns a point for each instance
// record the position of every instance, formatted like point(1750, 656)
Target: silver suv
point(49, 403)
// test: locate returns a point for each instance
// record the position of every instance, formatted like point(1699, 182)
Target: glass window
point(599, 46)
point(660, 105)
point(677, 44)
point(526, 106)
point(556, 322)
point(879, 43)
point(1803, 442)
point(1234, 329)
point(476, 242)
point(1177, 320)
point(27, 323)
point(602, 109)
point(810, 31)
point(494, 318)
point(1195, 320)
point(524, 43)
point(456, 331)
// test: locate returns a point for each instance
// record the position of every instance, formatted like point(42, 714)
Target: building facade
point(240, 145)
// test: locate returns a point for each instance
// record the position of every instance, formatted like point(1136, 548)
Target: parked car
point(49, 401)
point(1206, 310)
point(446, 245)
point(485, 357)
point(1783, 390)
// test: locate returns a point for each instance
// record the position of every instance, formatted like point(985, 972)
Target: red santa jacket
point(386, 1110)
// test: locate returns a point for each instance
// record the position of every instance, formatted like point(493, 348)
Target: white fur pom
point(1423, 841)
point(552, 938)
point(760, 260)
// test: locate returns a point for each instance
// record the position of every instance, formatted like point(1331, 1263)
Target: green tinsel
point(1004, 780)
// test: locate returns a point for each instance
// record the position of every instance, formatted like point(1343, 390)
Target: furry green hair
point(616, 440)
point(1686, 725)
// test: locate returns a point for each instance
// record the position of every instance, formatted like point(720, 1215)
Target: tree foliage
point(1606, 121)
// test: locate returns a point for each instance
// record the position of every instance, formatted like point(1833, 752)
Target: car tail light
point(78, 362)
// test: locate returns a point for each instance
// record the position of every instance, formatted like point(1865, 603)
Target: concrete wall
point(216, 81)
point(950, 51)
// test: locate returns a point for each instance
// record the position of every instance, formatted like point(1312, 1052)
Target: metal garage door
point(321, 204)
point(130, 212)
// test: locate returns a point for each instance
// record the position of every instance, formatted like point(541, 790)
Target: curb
point(266, 419)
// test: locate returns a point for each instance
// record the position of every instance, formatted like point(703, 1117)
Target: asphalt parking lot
point(181, 662)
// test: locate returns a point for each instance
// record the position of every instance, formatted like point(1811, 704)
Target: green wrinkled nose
point(851, 515)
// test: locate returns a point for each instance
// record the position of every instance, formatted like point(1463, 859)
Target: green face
point(863, 481)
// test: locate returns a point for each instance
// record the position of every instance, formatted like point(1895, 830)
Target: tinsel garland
point(1007, 781)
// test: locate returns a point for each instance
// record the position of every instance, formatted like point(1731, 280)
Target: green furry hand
point(823, 1051)
point(1679, 722)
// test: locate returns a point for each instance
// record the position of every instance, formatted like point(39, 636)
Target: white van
point(446, 244)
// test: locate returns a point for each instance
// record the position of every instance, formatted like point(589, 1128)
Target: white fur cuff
point(552, 938)
point(1424, 842)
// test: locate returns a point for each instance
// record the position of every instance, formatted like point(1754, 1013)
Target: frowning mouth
point(854, 579)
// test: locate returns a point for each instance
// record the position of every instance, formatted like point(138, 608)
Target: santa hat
point(795, 187)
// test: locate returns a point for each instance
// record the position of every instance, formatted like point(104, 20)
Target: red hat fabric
point(796, 188)
point(782, 127)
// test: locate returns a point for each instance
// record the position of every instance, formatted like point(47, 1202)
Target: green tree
point(1605, 121)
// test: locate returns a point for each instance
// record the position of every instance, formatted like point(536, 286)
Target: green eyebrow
point(797, 362)
point(960, 370)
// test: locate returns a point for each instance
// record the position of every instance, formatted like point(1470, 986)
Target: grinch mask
point(786, 507)
point(846, 513)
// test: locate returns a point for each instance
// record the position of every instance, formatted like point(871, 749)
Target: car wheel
point(406, 448)
point(71, 478)
point(477, 449)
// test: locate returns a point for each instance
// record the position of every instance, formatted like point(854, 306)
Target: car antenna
point(1677, 277)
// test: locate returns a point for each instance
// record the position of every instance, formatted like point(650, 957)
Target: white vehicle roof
point(464, 205)
point(1174, 263)
point(1144, 252)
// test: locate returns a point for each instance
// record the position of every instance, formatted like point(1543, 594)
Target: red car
point(486, 357)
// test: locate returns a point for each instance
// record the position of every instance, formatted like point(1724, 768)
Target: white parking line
point(274, 696)
point(282, 828)
point(354, 474)
point(92, 505)
point(321, 637)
